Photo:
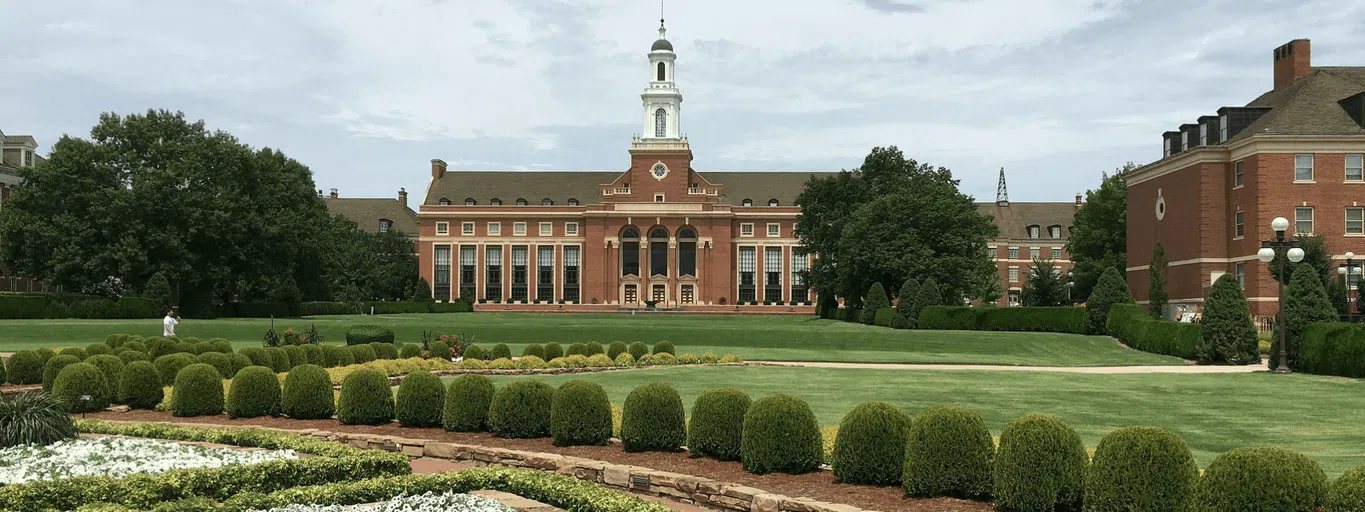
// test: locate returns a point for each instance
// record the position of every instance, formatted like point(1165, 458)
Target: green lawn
point(1319, 416)
point(782, 338)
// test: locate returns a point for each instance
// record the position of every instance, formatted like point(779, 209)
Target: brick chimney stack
point(1292, 62)
point(333, 195)
point(438, 168)
point(1079, 204)
point(403, 196)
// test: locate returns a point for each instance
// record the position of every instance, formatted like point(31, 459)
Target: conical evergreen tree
point(1111, 289)
point(1156, 290)
point(876, 299)
point(158, 289)
point(905, 306)
point(1227, 334)
point(928, 295)
point(1305, 303)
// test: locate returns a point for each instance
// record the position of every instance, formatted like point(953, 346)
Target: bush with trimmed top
point(337, 356)
point(637, 350)
point(1141, 468)
point(616, 349)
point(409, 351)
point(111, 367)
point(384, 350)
point(198, 391)
point(949, 453)
point(781, 436)
point(1262, 478)
point(534, 349)
point(363, 334)
point(168, 366)
point(24, 367)
point(128, 356)
point(362, 353)
point(421, 397)
point(45, 354)
point(441, 350)
point(279, 359)
point(140, 386)
point(296, 355)
point(53, 367)
point(237, 362)
point(521, 410)
point(77, 352)
point(717, 424)
point(1040, 466)
point(553, 351)
point(312, 354)
point(576, 349)
point(870, 448)
point(500, 351)
point(665, 347)
point(258, 356)
point(473, 352)
point(366, 398)
point(78, 380)
point(580, 414)
point(467, 400)
point(255, 392)
point(98, 349)
point(307, 394)
point(218, 361)
point(592, 348)
point(1109, 290)
point(652, 418)
point(1347, 493)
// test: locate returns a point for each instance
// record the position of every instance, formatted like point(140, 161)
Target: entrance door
point(630, 295)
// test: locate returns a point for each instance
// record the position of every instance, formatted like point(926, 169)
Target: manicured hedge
point(521, 410)
point(652, 418)
point(949, 453)
point(780, 436)
point(466, 404)
point(24, 367)
point(111, 367)
point(255, 392)
point(362, 353)
point(82, 380)
point(717, 425)
point(883, 316)
point(1347, 493)
point(198, 391)
point(500, 351)
point(219, 361)
point(1132, 324)
point(53, 367)
point(615, 349)
point(1141, 468)
point(307, 394)
point(554, 351)
point(1333, 349)
point(279, 359)
point(580, 414)
point(327, 308)
point(140, 386)
point(1040, 466)
point(421, 397)
point(38, 305)
point(533, 349)
point(365, 334)
point(365, 399)
point(409, 351)
point(986, 318)
point(1262, 478)
point(870, 447)
point(384, 350)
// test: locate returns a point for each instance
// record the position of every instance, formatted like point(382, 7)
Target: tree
point(1305, 303)
point(159, 291)
point(1339, 296)
point(988, 288)
point(928, 296)
point(1099, 233)
point(370, 266)
point(1156, 291)
point(826, 203)
point(876, 299)
point(1227, 334)
point(905, 306)
point(420, 290)
point(1109, 290)
point(1315, 254)
point(1045, 286)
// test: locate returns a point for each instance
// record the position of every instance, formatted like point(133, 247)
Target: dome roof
point(661, 44)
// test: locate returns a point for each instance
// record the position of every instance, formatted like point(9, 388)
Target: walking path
point(1100, 370)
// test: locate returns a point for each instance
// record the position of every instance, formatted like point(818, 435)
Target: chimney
point(1079, 204)
point(403, 196)
point(1292, 62)
point(438, 168)
point(333, 195)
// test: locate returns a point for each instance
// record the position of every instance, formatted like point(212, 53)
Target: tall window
point(658, 252)
point(1355, 167)
point(1204, 134)
point(746, 274)
point(492, 287)
point(800, 264)
point(1034, 253)
point(1237, 174)
point(1303, 167)
point(630, 252)
point(545, 273)
point(571, 273)
point(519, 271)
point(1014, 274)
point(772, 274)
point(1237, 227)
point(468, 261)
point(1184, 141)
point(1223, 128)
point(1355, 221)
point(687, 252)
point(385, 225)
point(661, 72)
point(1241, 273)
point(1014, 253)
point(1303, 220)
point(441, 280)
point(660, 123)
point(1168, 147)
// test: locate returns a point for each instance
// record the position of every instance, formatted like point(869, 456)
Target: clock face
point(660, 170)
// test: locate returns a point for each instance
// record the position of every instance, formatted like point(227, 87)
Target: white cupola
point(662, 101)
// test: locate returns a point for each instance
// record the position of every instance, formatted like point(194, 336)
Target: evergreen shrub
point(111, 367)
point(637, 350)
point(366, 398)
point(97, 349)
point(652, 418)
point(24, 367)
point(441, 350)
point(553, 351)
point(198, 391)
point(781, 436)
point(384, 350)
point(1262, 478)
point(665, 347)
point(949, 453)
point(580, 414)
point(576, 349)
point(312, 354)
point(128, 356)
point(218, 361)
point(1227, 333)
point(1305, 303)
point(1141, 468)
point(1109, 290)
point(616, 349)
point(255, 392)
point(1040, 466)
point(140, 386)
point(907, 314)
point(307, 394)
point(362, 353)
point(593, 348)
point(421, 398)
point(237, 362)
point(467, 400)
point(533, 349)
point(500, 351)
point(279, 359)
point(1347, 493)
point(521, 410)
point(717, 425)
point(296, 355)
point(473, 352)
point(53, 367)
point(364, 334)
point(77, 352)
point(258, 356)
point(876, 299)
point(409, 351)
point(870, 448)
point(81, 379)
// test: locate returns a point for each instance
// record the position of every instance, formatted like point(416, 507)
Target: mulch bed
point(819, 485)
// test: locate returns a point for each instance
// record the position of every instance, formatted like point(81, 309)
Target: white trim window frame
point(774, 230)
point(443, 228)
point(1303, 168)
point(1299, 220)
point(518, 229)
point(547, 229)
point(746, 229)
point(1355, 220)
point(494, 229)
point(1238, 227)
point(1355, 167)
point(467, 228)
point(1237, 176)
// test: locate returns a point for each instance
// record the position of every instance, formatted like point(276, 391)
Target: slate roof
point(1015, 219)
point(367, 211)
point(560, 186)
point(1309, 106)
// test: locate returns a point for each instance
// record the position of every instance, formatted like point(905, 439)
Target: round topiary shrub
point(77, 352)
point(312, 354)
point(198, 391)
point(140, 386)
point(1039, 466)
point(362, 353)
point(502, 364)
point(600, 361)
point(421, 397)
point(220, 362)
point(644, 360)
point(258, 356)
point(870, 448)
point(441, 350)
point(116, 340)
point(254, 392)
point(500, 351)
point(1262, 478)
point(637, 350)
point(366, 398)
point(45, 354)
point(279, 359)
point(530, 363)
point(157, 347)
point(409, 351)
point(521, 410)
point(98, 349)
point(53, 367)
point(663, 359)
point(24, 367)
point(473, 352)
point(219, 345)
point(717, 425)
point(534, 349)
point(363, 334)
point(553, 351)
point(169, 365)
point(237, 361)
point(78, 380)
point(780, 436)
point(307, 394)
point(580, 414)
point(466, 403)
point(472, 364)
point(576, 349)
point(189, 348)
point(136, 344)
point(616, 349)
point(664, 347)
point(948, 453)
point(128, 356)
point(686, 358)
point(296, 355)
point(1141, 468)
point(592, 348)
point(111, 367)
point(331, 355)
point(384, 350)
point(1347, 493)
point(652, 419)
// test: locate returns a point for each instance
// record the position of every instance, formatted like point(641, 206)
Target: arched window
point(658, 252)
point(495, 202)
point(746, 202)
point(443, 202)
point(469, 201)
point(630, 252)
point(573, 202)
point(772, 202)
point(521, 202)
point(687, 252)
point(661, 72)
point(660, 123)
point(547, 202)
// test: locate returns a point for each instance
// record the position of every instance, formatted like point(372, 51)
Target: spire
point(1002, 194)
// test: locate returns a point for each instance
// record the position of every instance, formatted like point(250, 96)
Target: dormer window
point(1223, 128)
point(521, 202)
point(1168, 147)
point(469, 201)
point(1184, 140)
point(547, 202)
point(385, 225)
point(444, 201)
point(1054, 231)
point(1033, 231)
point(772, 202)
point(1204, 134)
point(746, 202)
point(573, 202)
point(495, 202)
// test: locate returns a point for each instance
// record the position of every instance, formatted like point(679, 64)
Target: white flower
point(429, 502)
point(118, 457)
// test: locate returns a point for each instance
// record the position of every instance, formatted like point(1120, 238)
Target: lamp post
point(1352, 271)
point(1070, 283)
point(1283, 249)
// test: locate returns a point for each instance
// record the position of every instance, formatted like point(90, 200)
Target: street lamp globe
point(1266, 255)
point(1341, 270)
point(1279, 224)
point(1350, 255)
point(1295, 255)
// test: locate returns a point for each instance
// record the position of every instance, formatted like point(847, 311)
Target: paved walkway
point(1101, 370)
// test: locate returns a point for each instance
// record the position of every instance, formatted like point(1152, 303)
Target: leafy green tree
point(1338, 295)
point(1045, 286)
point(1111, 289)
point(1305, 303)
point(1099, 233)
point(907, 317)
point(420, 290)
point(876, 299)
point(370, 266)
point(928, 296)
point(1227, 334)
point(1315, 254)
point(1156, 291)
point(988, 288)
point(826, 203)
point(159, 290)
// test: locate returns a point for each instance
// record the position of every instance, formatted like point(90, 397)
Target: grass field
point(778, 338)
point(1319, 416)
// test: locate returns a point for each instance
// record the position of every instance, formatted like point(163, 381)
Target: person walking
point(168, 324)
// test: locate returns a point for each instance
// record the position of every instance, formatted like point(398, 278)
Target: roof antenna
point(1002, 194)
point(661, 19)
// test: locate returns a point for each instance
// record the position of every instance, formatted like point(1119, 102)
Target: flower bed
point(429, 502)
point(117, 458)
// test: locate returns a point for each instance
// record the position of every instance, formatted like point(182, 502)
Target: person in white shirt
point(168, 324)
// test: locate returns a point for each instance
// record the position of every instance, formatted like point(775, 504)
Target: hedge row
point(989, 318)
point(30, 306)
point(1333, 349)
point(1132, 324)
point(383, 308)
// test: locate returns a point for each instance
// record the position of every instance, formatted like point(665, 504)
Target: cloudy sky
point(366, 92)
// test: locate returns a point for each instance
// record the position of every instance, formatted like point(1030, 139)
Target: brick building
point(16, 152)
point(1029, 232)
point(1294, 152)
point(375, 214)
